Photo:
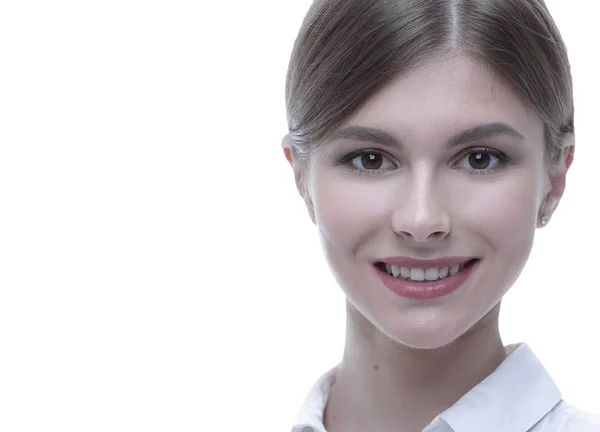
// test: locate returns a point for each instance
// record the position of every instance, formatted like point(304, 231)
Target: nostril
point(437, 234)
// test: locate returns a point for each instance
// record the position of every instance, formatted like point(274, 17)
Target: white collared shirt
point(518, 396)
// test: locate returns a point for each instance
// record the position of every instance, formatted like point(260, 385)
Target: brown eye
point(371, 161)
point(479, 160)
point(368, 161)
point(482, 161)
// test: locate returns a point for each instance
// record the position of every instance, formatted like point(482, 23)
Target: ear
point(299, 167)
point(557, 175)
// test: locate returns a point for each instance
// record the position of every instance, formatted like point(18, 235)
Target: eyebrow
point(377, 136)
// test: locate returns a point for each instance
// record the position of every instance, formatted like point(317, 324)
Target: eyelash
point(347, 161)
point(503, 160)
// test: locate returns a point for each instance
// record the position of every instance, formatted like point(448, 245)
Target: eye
point(482, 161)
point(368, 161)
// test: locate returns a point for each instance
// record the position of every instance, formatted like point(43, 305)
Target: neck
point(383, 385)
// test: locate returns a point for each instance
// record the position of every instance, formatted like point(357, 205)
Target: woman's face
point(465, 178)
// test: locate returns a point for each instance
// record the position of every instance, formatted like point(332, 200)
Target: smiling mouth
point(423, 274)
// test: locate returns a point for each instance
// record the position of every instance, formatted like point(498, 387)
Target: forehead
point(440, 98)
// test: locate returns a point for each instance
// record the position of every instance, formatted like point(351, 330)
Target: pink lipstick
point(424, 279)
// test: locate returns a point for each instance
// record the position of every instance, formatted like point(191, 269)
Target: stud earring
point(545, 220)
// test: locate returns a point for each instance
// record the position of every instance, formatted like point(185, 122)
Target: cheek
point(503, 211)
point(348, 211)
point(351, 210)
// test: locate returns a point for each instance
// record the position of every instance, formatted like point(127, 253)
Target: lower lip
point(428, 289)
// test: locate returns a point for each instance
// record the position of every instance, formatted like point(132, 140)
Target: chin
point(428, 336)
point(436, 329)
point(419, 327)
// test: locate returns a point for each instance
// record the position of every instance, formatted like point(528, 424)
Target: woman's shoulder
point(565, 417)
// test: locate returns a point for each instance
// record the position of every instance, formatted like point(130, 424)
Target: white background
point(158, 271)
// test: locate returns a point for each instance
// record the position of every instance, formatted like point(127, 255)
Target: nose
point(420, 214)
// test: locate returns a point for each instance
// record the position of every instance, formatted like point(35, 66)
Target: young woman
point(429, 140)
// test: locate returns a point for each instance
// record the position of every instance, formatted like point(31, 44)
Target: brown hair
point(348, 50)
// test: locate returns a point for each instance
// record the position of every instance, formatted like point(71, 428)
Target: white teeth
point(444, 272)
point(405, 272)
point(432, 274)
point(417, 274)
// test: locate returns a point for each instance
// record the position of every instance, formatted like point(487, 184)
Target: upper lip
point(425, 264)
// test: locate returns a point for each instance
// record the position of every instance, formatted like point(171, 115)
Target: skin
point(406, 361)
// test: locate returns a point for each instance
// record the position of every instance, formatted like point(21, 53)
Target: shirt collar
point(313, 408)
point(517, 395)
